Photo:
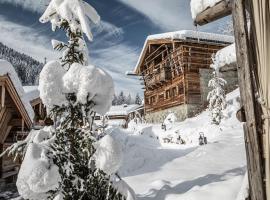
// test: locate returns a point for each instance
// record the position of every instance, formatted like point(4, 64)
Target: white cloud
point(26, 40)
point(31, 5)
point(117, 59)
point(107, 50)
point(167, 14)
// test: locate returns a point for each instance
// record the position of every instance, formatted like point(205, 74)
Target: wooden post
point(246, 83)
point(1, 160)
point(22, 125)
point(3, 96)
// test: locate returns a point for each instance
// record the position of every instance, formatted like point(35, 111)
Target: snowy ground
point(169, 171)
point(161, 171)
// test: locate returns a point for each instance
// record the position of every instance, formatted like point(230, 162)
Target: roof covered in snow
point(7, 69)
point(186, 35)
point(31, 92)
point(190, 34)
point(123, 109)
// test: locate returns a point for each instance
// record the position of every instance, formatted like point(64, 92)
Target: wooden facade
point(170, 70)
point(15, 124)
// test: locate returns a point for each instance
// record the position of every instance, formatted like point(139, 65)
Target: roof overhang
point(6, 81)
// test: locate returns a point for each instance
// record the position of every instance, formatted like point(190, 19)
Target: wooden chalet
point(16, 117)
point(252, 42)
point(120, 115)
point(170, 66)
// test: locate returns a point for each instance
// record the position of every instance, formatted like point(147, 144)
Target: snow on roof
point(113, 122)
point(184, 35)
point(31, 92)
point(198, 6)
point(7, 69)
point(187, 34)
point(226, 55)
point(123, 109)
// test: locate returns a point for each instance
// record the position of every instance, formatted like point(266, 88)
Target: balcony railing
point(165, 103)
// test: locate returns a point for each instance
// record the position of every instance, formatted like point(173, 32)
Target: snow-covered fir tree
point(121, 98)
point(138, 99)
point(73, 92)
point(114, 101)
point(128, 100)
point(217, 96)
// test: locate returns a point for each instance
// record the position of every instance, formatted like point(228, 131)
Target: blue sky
point(118, 39)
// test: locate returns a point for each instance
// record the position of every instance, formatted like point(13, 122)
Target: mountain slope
point(27, 68)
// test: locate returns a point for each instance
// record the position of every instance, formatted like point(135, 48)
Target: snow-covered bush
point(216, 97)
point(109, 155)
point(169, 121)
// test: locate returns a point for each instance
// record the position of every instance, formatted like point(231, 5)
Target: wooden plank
point(1, 159)
point(3, 96)
point(218, 11)
point(253, 146)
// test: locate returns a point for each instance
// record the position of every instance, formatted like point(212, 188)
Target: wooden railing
point(166, 103)
point(158, 78)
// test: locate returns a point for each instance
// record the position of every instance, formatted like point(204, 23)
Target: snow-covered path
point(188, 172)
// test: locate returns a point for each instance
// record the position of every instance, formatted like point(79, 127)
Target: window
point(161, 97)
point(174, 92)
point(153, 99)
point(168, 94)
point(180, 89)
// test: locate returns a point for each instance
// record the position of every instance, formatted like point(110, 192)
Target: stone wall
point(182, 112)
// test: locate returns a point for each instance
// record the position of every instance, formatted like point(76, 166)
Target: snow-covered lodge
point(120, 115)
point(19, 108)
point(175, 69)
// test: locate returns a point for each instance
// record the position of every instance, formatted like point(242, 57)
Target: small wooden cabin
point(120, 115)
point(170, 66)
point(16, 117)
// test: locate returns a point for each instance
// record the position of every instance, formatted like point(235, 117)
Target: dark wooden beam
point(220, 10)
point(247, 90)
point(15, 122)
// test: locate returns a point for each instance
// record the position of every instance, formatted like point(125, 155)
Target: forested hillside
point(27, 68)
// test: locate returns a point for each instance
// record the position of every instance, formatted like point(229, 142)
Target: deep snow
point(170, 171)
point(162, 171)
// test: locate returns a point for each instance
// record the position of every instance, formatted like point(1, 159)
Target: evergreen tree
point(121, 98)
point(114, 101)
point(128, 99)
point(216, 97)
point(138, 99)
point(73, 147)
point(26, 67)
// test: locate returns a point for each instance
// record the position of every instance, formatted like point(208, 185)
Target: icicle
point(197, 32)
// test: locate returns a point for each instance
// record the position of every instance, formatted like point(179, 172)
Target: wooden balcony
point(157, 79)
point(164, 104)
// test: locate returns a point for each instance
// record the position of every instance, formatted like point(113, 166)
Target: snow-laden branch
point(76, 12)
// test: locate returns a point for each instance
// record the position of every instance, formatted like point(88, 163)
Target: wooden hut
point(120, 115)
point(252, 42)
point(173, 67)
point(16, 117)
